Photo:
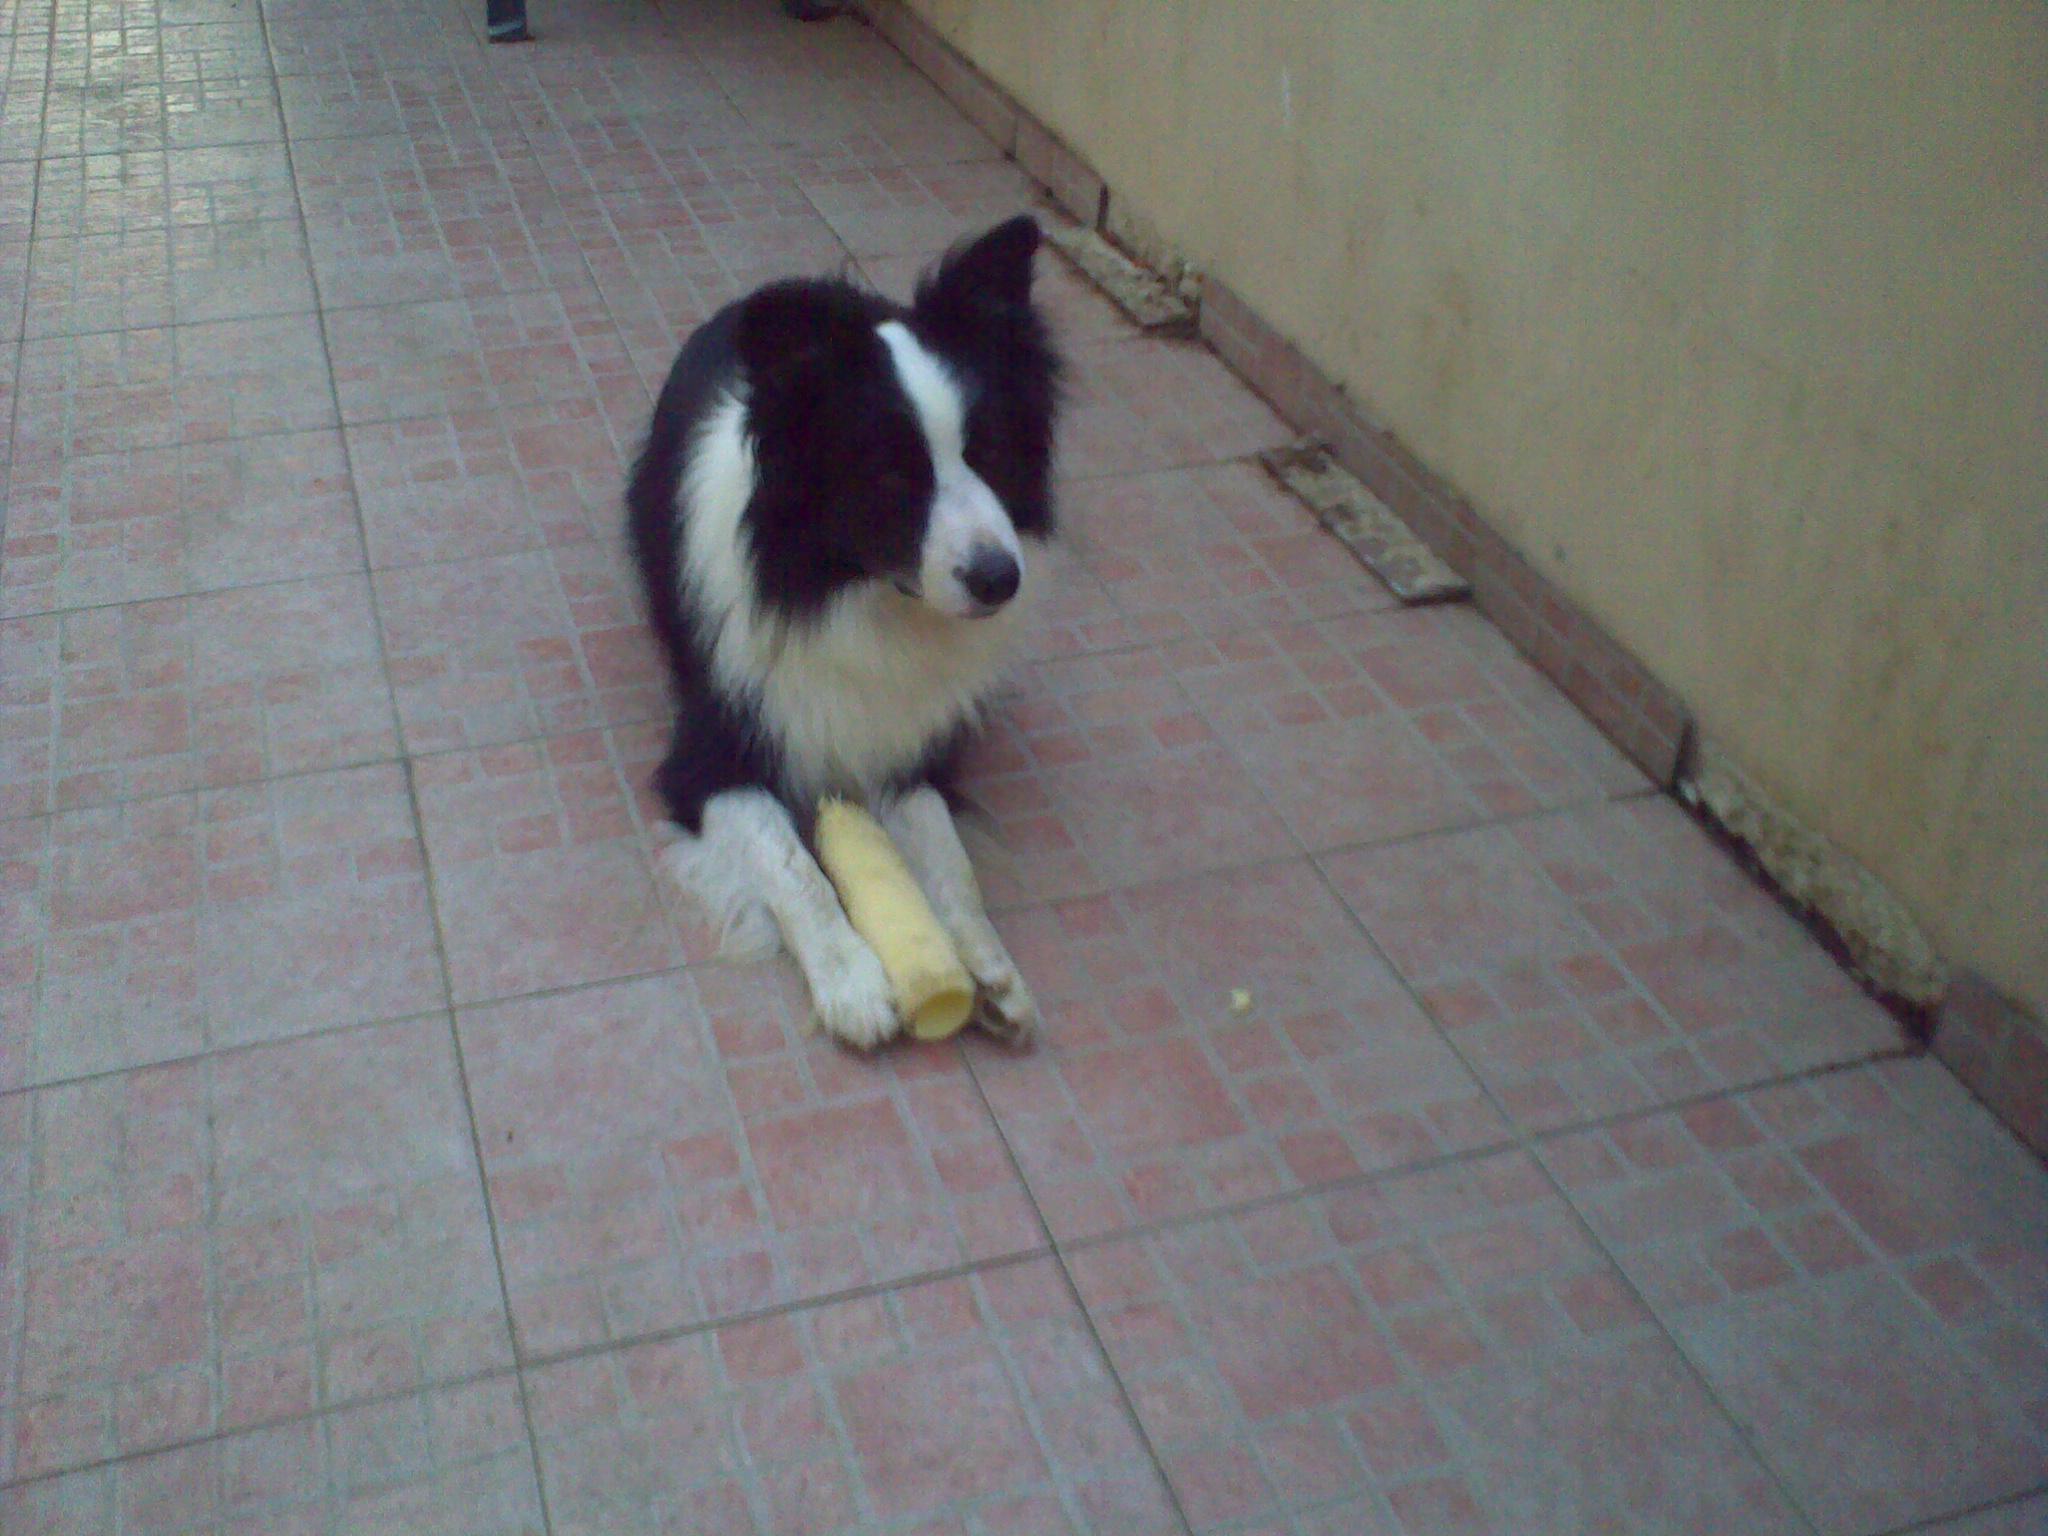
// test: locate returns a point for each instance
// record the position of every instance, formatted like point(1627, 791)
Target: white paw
point(851, 998)
point(749, 933)
point(746, 928)
point(1004, 1006)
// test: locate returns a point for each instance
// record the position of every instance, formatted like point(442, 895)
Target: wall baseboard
point(2000, 1051)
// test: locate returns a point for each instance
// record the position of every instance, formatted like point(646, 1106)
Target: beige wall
point(1734, 317)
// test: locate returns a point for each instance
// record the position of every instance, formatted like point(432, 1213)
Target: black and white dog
point(837, 516)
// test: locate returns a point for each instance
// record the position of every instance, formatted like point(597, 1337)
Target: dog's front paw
point(1003, 1005)
point(851, 998)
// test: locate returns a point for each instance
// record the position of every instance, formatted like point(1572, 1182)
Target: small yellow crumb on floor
point(1240, 1001)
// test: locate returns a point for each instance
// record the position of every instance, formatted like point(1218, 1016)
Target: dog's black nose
point(991, 576)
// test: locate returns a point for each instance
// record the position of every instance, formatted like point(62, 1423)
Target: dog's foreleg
point(923, 829)
point(749, 836)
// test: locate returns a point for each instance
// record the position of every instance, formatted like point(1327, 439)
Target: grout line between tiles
point(418, 820)
point(1528, 1146)
point(1942, 1521)
point(1116, 1376)
point(540, 1360)
point(453, 1003)
point(1479, 1152)
point(632, 721)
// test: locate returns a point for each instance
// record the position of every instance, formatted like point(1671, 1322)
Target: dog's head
point(911, 448)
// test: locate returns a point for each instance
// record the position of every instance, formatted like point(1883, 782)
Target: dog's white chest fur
point(855, 697)
point(863, 695)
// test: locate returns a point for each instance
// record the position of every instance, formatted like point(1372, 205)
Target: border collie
point(837, 517)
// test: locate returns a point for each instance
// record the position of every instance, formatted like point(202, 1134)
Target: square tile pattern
point(164, 521)
point(382, 1148)
point(1859, 1265)
point(713, 1161)
point(226, 1242)
point(1099, 772)
point(454, 1461)
point(1441, 1352)
point(1214, 1042)
point(978, 1404)
point(158, 928)
point(1605, 959)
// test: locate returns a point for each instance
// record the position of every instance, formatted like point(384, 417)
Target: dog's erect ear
point(991, 273)
point(793, 327)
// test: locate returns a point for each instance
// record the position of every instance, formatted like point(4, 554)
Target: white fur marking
point(932, 389)
point(865, 689)
point(748, 835)
point(723, 887)
point(966, 515)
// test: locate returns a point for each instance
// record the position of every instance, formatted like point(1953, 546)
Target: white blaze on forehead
point(966, 516)
point(932, 389)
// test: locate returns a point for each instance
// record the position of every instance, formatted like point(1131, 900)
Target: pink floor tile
point(1070, 611)
point(512, 646)
point(398, 219)
point(579, 91)
point(200, 36)
point(542, 872)
point(442, 101)
point(901, 211)
point(488, 353)
point(1443, 1352)
point(106, 193)
point(228, 184)
point(14, 265)
point(978, 1404)
point(16, 1127)
point(886, 114)
point(1385, 725)
point(85, 115)
point(1205, 551)
point(492, 482)
point(1153, 1094)
point(673, 1150)
point(190, 693)
point(673, 234)
point(1099, 774)
point(165, 521)
point(124, 390)
point(108, 282)
point(19, 181)
point(453, 1461)
point(1270, 928)
point(1859, 1265)
point(24, 63)
point(314, 39)
point(1143, 405)
point(227, 1242)
point(661, 284)
point(157, 928)
point(219, 103)
point(237, 271)
point(1606, 959)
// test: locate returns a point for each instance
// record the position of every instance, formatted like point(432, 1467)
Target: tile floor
point(380, 1150)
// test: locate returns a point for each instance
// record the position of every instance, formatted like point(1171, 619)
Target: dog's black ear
point(989, 273)
point(791, 328)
